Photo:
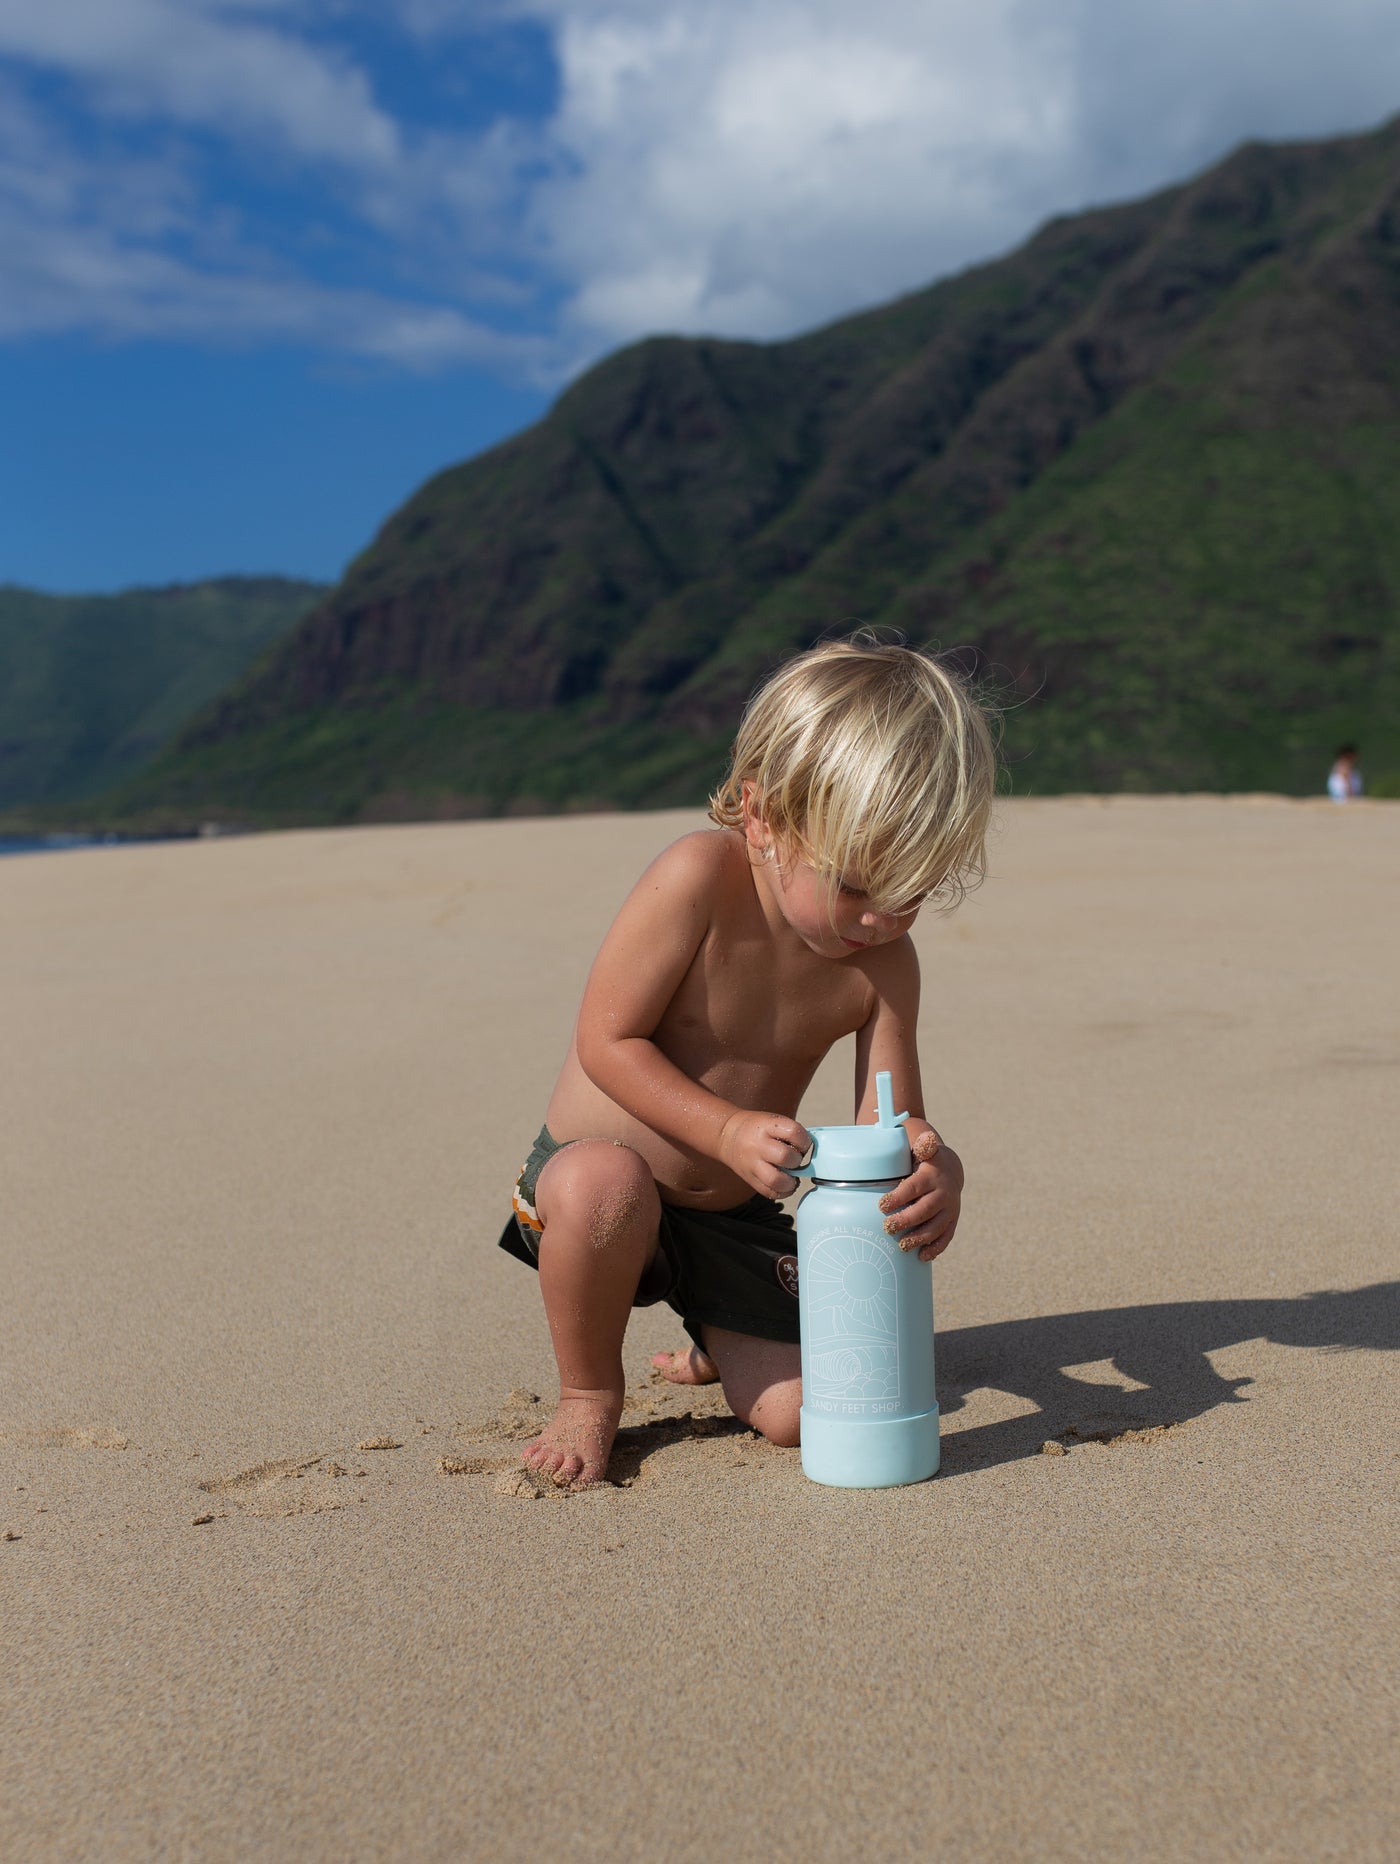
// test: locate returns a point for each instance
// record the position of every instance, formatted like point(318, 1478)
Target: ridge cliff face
point(1144, 471)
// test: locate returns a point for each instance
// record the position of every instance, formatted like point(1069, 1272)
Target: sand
point(269, 1583)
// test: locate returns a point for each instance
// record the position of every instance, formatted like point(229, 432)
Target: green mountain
point(1144, 471)
point(91, 687)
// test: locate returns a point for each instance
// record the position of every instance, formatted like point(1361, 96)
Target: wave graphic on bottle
point(853, 1295)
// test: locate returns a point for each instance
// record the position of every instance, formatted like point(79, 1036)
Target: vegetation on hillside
point(1142, 473)
point(91, 687)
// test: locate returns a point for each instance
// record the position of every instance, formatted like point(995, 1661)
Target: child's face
point(837, 923)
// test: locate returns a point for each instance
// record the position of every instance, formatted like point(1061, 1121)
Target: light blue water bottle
point(869, 1413)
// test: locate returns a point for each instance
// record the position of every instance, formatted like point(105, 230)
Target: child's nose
point(878, 922)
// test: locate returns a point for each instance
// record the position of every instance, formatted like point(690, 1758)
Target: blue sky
point(266, 264)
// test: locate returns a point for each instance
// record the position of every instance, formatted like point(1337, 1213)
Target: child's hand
point(762, 1148)
point(922, 1210)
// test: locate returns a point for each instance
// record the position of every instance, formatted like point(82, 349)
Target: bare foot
point(573, 1448)
point(689, 1366)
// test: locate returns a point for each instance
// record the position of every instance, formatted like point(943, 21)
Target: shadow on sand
point(1162, 1349)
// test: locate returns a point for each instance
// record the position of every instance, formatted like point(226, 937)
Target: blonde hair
point(870, 760)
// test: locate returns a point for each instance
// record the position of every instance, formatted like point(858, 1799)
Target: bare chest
point(738, 1003)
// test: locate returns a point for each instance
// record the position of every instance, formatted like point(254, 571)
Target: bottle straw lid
point(859, 1153)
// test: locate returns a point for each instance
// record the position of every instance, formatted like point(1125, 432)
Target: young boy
point(860, 787)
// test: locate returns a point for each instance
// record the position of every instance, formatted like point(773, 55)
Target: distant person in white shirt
point(1344, 779)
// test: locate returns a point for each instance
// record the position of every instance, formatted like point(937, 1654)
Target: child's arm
point(644, 958)
point(922, 1209)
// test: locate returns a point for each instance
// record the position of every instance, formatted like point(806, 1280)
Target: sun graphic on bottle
point(854, 1309)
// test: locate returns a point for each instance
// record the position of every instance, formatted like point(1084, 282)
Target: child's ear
point(755, 828)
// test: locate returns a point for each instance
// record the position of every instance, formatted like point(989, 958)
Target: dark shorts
point(719, 1268)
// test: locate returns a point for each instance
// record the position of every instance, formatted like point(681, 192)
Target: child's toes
point(550, 1460)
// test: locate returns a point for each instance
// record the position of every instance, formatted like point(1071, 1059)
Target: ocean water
point(51, 844)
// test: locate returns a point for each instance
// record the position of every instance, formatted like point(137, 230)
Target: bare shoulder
point(698, 865)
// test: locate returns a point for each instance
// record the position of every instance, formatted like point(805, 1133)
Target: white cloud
point(755, 170)
point(55, 277)
point(450, 19)
point(126, 249)
point(211, 63)
point(144, 293)
point(759, 178)
point(710, 165)
point(109, 242)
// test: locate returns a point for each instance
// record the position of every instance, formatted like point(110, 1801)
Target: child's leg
point(601, 1214)
point(762, 1381)
point(762, 1378)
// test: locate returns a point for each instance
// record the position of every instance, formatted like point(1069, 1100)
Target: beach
point(271, 1588)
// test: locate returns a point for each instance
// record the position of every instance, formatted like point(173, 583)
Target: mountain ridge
point(92, 686)
point(575, 616)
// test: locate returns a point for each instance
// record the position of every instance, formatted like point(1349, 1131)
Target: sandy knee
point(762, 1382)
point(606, 1188)
point(776, 1414)
point(778, 1419)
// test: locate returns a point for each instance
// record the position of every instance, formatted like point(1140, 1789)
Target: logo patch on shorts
point(785, 1268)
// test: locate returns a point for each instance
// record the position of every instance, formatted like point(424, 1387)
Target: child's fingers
point(930, 1239)
point(904, 1193)
point(942, 1234)
point(926, 1146)
point(796, 1139)
point(911, 1215)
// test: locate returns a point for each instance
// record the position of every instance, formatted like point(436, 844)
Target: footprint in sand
point(292, 1486)
point(63, 1438)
